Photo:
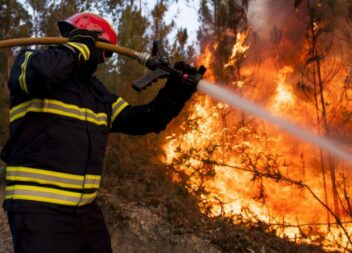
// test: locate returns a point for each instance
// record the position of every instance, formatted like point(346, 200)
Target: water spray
point(236, 101)
point(160, 67)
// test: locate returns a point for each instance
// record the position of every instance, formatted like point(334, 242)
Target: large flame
point(239, 165)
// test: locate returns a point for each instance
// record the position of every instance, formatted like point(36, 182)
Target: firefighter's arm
point(35, 71)
point(155, 116)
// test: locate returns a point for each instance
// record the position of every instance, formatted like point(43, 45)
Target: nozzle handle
point(149, 78)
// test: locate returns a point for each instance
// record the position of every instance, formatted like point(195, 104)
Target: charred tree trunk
point(320, 100)
point(332, 167)
point(321, 155)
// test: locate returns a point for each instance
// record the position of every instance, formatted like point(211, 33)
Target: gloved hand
point(189, 74)
point(77, 37)
point(87, 55)
point(181, 86)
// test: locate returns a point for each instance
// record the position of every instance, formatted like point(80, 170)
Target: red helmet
point(91, 22)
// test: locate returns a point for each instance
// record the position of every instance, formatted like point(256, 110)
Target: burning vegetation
point(294, 59)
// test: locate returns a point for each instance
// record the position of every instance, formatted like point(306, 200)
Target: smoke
point(263, 15)
point(275, 23)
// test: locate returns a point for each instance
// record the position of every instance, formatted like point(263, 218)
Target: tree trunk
point(8, 52)
point(319, 79)
point(320, 105)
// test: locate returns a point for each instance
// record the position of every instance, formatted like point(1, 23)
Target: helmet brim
point(65, 28)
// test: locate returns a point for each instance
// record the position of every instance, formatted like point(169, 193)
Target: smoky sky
point(276, 23)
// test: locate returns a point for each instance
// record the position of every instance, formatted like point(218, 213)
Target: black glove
point(181, 86)
point(87, 60)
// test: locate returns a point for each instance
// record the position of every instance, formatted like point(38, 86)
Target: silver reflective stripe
point(26, 176)
point(91, 183)
point(64, 180)
point(117, 107)
point(48, 195)
point(59, 108)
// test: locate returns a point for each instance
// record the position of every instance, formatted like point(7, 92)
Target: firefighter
point(60, 117)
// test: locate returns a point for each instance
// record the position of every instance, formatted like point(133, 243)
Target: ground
point(134, 228)
point(5, 237)
point(156, 227)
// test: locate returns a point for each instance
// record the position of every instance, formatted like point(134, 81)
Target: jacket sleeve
point(142, 119)
point(34, 71)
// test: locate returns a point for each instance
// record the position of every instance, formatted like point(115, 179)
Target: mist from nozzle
point(227, 96)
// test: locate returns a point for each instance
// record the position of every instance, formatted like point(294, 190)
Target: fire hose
point(160, 67)
point(158, 61)
point(58, 40)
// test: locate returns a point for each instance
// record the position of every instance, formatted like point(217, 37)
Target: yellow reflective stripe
point(93, 177)
point(116, 102)
point(44, 189)
point(49, 190)
point(48, 195)
point(117, 107)
point(91, 186)
point(45, 172)
point(74, 107)
point(65, 180)
point(41, 199)
point(47, 102)
point(59, 108)
point(81, 48)
point(66, 114)
point(117, 112)
point(22, 78)
point(60, 184)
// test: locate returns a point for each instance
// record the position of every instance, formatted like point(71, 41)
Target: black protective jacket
point(59, 123)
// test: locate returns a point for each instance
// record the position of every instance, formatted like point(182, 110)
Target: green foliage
point(205, 13)
point(15, 20)
point(119, 73)
point(179, 50)
point(132, 34)
point(57, 11)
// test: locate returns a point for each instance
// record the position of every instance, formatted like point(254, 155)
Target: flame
point(284, 94)
point(239, 49)
point(242, 166)
point(207, 60)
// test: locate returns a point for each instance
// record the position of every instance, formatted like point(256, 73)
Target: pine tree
point(121, 71)
point(38, 12)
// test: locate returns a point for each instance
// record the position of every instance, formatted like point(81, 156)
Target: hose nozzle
point(143, 57)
